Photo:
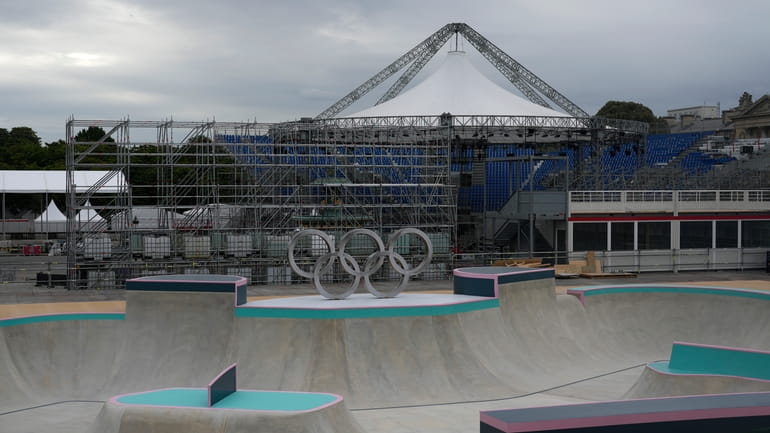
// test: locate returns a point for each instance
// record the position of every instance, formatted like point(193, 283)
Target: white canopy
point(51, 214)
point(55, 181)
point(88, 215)
point(145, 217)
point(457, 87)
point(215, 215)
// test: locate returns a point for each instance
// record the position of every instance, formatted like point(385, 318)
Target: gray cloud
point(274, 61)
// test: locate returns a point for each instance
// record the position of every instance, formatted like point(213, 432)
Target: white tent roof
point(457, 87)
point(88, 214)
point(144, 217)
point(55, 181)
point(51, 214)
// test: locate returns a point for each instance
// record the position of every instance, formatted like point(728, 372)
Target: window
point(622, 236)
point(727, 234)
point(654, 235)
point(755, 234)
point(695, 234)
point(589, 236)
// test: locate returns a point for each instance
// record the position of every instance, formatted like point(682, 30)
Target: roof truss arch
point(530, 85)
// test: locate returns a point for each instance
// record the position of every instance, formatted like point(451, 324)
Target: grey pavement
point(27, 292)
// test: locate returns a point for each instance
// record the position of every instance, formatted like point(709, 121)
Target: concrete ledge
point(703, 359)
point(704, 413)
point(584, 292)
point(486, 281)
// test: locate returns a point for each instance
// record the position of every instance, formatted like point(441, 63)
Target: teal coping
point(720, 291)
point(717, 360)
point(61, 317)
point(289, 313)
point(360, 313)
point(243, 399)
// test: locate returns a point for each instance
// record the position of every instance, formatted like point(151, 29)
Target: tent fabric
point(51, 214)
point(457, 87)
point(145, 217)
point(88, 214)
point(215, 215)
point(55, 181)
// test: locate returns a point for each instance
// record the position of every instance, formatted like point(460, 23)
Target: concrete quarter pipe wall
point(427, 369)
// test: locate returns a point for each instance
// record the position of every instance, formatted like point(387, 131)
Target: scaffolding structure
point(225, 197)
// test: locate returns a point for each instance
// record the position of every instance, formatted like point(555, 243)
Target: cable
point(389, 407)
point(49, 404)
point(503, 398)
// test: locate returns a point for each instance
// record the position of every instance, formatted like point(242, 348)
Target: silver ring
point(372, 264)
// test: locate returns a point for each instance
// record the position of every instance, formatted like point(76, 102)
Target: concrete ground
point(28, 293)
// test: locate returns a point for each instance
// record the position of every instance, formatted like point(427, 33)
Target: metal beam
point(508, 73)
point(443, 34)
point(484, 45)
point(413, 70)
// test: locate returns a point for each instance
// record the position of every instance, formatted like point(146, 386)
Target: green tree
point(93, 133)
point(101, 157)
point(21, 149)
point(629, 110)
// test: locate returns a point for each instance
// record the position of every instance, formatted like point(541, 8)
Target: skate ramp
point(427, 370)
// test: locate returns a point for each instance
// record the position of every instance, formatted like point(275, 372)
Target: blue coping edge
point(243, 399)
point(696, 359)
point(60, 317)
point(697, 290)
point(361, 313)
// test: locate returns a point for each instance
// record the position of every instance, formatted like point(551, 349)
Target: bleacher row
point(397, 165)
point(617, 164)
point(400, 165)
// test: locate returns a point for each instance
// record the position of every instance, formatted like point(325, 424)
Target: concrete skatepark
point(415, 371)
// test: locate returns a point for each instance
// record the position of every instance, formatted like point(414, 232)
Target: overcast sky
point(282, 60)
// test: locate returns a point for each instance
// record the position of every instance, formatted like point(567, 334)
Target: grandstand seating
point(400, 165)
point(619, 162)
point(700, 162)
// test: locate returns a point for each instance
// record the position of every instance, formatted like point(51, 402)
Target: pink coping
point(337, 398)
point(322, 299)
point(460, 273)
point(62, 314)
point(239, 282)
point(579, 292)
point(639, 418)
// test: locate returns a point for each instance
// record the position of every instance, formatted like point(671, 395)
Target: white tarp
point(88, 214)
point(51, 214)
point(55, 181)
point(52, 220)
point(88, 219)
point(457, 87)
point(216, 215)
point(146, 217)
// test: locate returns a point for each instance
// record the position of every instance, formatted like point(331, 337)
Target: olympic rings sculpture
point(372, 264)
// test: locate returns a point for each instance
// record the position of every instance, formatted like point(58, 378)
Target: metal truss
point(526, 81)
point(413, 69)
point(225, 197)
point(501, 60)
point(438, 38)
point(481, 121)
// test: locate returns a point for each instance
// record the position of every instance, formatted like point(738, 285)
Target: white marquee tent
point(457, 87)
point(51, 220)
point(88, 218)
point(55, 181)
